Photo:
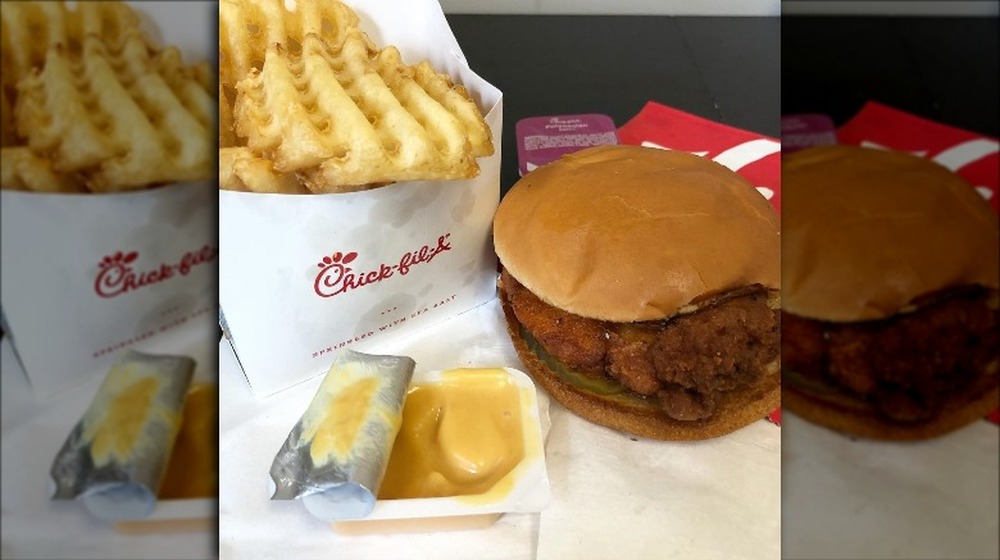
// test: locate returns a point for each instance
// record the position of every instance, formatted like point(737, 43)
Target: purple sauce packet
point(544, 139)
point(806, 131)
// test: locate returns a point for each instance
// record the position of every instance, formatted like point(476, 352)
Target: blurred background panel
point(844, 497)
point(623, 7)
point(109, 244)
point(938, 60)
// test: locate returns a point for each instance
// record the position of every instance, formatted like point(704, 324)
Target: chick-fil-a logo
point(116, 274)
point(335, 277)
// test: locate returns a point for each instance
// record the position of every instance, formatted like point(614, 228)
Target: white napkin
point(856, 498)
point(616, 496)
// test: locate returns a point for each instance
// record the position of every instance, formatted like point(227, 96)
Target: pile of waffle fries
point(308, 104)
point(91, 104)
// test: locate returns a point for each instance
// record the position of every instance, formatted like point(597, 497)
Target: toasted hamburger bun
point(625, 234)
point(869, 231)
point(870, 236)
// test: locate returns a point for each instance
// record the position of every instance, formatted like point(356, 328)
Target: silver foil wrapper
point(336, 454)
point(115, 457)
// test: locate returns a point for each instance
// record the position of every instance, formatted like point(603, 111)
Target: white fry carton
point(85, 276)
point(302, 276)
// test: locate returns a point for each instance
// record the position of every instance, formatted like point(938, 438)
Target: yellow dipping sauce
point(193, 470)
point(459, 436)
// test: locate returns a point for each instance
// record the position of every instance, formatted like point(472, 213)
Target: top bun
point(623, 233)
point(867, 231)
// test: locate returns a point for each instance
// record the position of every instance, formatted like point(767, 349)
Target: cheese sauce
point(193, 468)
point(460, 436)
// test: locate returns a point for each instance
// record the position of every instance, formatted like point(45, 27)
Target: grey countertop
point(722, 68)
point(944, 69)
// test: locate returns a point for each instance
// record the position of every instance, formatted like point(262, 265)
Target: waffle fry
point(312, 99)
point(457, 101)
point(7, 137)
point(248, 27)
point(30, 29)
point(353, 116)
point(24, 171)
point(227, 131)
point(97, 103)
point(241, 170)
point(190, 84)
point(121, 118)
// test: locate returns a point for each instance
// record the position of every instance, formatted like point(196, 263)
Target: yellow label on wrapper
point(349, 402)
point(117, 423)
point(344, 416)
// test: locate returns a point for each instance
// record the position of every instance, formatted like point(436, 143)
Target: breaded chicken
point(682, 361)
point(909, 364)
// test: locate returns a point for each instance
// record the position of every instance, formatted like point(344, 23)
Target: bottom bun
point(633, 414)
point(832, 408)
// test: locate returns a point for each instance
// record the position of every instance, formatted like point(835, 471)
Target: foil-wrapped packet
point(336, 454)
point(115, 457)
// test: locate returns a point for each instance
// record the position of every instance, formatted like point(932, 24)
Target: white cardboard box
point(67, 333)
point(302, 276)
point(85, 276)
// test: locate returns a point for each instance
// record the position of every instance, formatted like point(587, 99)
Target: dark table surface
point(944, 69)
point(721, 68)
point(744, 72)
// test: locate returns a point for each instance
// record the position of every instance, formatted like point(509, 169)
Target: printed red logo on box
point(336, 277)
point(116, 274)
